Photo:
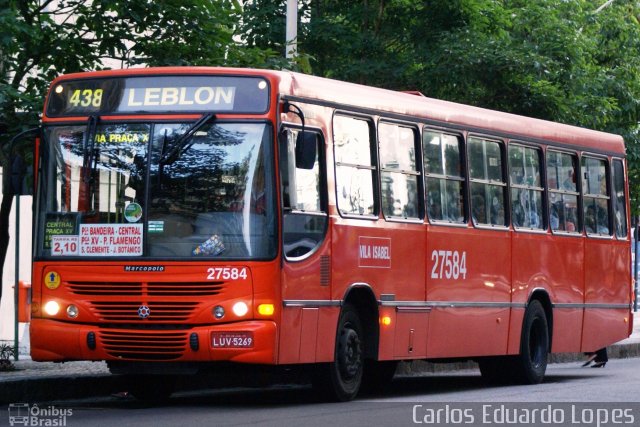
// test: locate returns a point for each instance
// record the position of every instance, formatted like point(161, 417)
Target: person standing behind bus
point(599, 358)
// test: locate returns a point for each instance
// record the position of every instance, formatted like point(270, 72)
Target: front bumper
point(52, 340)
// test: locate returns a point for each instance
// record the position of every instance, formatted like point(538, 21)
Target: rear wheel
point(534, 345)
point(340, 380)
point(530, 365)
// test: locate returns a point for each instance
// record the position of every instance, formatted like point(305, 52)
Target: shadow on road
point(303, 394)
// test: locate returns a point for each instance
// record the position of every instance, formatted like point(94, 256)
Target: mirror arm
point(288, 107)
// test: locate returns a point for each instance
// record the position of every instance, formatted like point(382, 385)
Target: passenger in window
point(533, 219)
point(517, 212)
point(590, 220)
point(602, 221)
point(497, 212)
point(571, 220)
point(389, 202)
point(619, 224)
point(410, 209)
point(554, 218)
point(478, 210)
point(498, 218)
point(435, 210)
point(454, 208)
point(569, 182)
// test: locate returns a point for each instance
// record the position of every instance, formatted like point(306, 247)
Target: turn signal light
point(385, 320)
point(266, 309)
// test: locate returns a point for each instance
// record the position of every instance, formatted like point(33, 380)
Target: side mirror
point(306, 149)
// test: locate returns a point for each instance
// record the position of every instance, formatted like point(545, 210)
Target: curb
point(616, 351)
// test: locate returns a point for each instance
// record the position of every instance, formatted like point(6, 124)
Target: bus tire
point(340, 380)
point(531, 364)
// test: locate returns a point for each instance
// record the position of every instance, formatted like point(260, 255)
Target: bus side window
point(445, 187)
point(619, 200)
point(563, 192)
point(355, 166)
point(595, 196)
point(488, 184)
point(399, 171)
point(304, 207)
point(526, 187)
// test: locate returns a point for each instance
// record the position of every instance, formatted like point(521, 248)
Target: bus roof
point(376, 101)
point(448, 113)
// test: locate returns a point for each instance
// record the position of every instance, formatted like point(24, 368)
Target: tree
point(570, 61)
point(364, 42)
point(550, 59)
point(41, 39)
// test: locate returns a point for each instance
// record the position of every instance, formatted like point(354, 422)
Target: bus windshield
point(110, 190)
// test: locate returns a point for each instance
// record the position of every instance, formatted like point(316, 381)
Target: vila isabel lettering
point(374, 252)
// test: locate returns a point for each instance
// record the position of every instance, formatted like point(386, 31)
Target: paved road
point(619, 382)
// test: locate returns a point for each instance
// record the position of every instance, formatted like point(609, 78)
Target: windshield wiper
point(185, 140)
point(89, 148)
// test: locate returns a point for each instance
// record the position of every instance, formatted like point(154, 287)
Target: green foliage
point(6, 353)
point(552, 59)
point(557, 60)
point(42, 39)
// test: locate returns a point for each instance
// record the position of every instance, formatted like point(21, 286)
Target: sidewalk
point(46, 381)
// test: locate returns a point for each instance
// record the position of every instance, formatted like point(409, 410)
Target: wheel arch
point(542, 296)
point(362, 298)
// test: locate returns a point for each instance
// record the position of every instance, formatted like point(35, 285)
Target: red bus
point(192, 216)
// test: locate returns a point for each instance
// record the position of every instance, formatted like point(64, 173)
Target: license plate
point(232, 339)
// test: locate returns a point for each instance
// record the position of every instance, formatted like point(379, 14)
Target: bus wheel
point(340, 380)
point(534, 345)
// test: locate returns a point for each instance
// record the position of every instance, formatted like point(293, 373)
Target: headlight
point(51, 308)
point(72, 311)
point(240, 309)
point(218, 312)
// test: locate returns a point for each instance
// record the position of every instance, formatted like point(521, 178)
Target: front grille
point(177, 289)
point(105, 299)
point(101, 288)
point(159, 311)
point(156, 345)
point(165, 289)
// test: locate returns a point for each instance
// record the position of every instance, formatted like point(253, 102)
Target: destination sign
point(159, 94)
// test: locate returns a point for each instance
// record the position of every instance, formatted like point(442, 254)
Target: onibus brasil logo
point(23, 414)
